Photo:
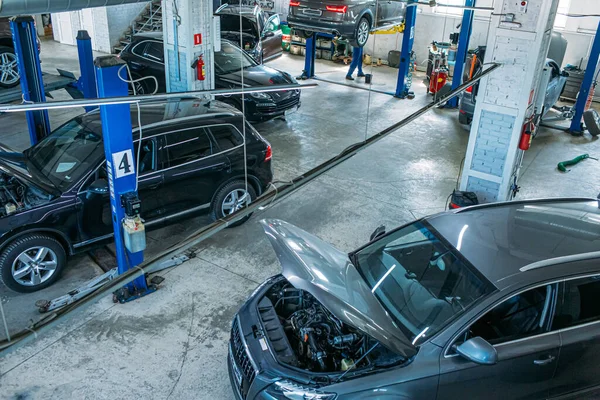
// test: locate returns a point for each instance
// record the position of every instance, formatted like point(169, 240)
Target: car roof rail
point(221, 8)
point(529, 201)
point(560, 260)
point(188, 118)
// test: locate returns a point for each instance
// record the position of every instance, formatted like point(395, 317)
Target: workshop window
point(561, 17)
point(450, 10)
point(188, 145)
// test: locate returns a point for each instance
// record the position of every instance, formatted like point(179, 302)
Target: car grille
point(241, 357)
point(280, 104)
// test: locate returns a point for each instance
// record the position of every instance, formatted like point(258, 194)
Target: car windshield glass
point(69, 152)
point(419, 280)
point(231, 59)
point(231, 23)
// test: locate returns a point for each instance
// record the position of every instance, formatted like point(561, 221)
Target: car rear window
point(188, 145)
point(226, 136)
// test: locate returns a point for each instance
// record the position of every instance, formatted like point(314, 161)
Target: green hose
point(562, 166)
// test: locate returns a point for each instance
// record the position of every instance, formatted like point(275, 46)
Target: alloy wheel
point(9, 71)
point(363, 32)
point(234, 201)
point(34, 266)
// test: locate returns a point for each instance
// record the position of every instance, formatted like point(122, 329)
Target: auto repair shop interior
point(299, 199)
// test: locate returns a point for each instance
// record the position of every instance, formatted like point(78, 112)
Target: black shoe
point(349, 77)
point(361, 75)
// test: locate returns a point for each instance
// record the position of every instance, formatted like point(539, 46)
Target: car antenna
point(356, 363)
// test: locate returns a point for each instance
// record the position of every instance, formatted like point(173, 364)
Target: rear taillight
point(294, 3)
point(269, 153)
point(338, 9)
point(469, 89)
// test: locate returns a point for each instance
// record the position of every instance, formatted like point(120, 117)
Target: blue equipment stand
point(466, 29)
point(576, 128)
point(120, 164)
point(408, 39)
point(87, 82)
point(30, 71)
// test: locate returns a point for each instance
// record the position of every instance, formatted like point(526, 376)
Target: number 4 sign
point(123, 160)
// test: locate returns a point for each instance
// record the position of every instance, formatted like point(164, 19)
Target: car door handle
point(545, 361)
point(155, 186)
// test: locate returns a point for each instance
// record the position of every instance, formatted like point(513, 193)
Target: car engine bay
point(16, 197)
point(319, 341)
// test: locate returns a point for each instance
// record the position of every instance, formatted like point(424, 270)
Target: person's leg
point(360, 62)
point(353, 64)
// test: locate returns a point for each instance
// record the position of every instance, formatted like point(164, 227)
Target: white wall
point(106, 25)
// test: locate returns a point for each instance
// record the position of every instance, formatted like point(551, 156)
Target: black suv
point(498, 301)
point(145, 58)
point(55, 200)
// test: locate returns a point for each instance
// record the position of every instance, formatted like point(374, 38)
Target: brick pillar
point(506, 97)
point(193, 17)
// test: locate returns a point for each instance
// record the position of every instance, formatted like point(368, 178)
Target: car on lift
point(145, 57)
point(55, 196)
point(259, 33)
point(352, 20)
point(497, 301)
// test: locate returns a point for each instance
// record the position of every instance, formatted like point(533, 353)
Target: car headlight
point(293, 391)
point(260, 95)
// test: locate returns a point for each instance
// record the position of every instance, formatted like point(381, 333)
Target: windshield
point(69, 152)
point(231, 59)
point(420, 281)
point(231, 23)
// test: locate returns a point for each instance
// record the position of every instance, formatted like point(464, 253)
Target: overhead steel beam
point(9, 8)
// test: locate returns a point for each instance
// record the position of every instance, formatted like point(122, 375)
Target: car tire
point(221, 205)
point(361, 33)
point(9, 70)
point(592, 122)
point(50, 263)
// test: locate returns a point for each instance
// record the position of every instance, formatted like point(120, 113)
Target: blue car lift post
point(120, 165)
point(30, 71)
point(310, 57)
point(576, 128)
point(466, 29)
point(87, 82)
point(408, 38)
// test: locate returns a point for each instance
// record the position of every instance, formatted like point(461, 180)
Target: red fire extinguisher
point(525, 141)
point(200, 68)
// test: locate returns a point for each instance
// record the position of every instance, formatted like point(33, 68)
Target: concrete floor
point(173, 343)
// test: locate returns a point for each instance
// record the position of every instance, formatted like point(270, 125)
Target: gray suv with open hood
point(497, 301)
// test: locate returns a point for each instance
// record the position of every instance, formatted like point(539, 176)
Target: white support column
point(187, 18)
point(506, 97)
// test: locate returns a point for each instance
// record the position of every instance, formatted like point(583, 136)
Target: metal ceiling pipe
point(9, 8)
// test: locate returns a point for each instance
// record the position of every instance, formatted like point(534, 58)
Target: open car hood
point(14, 163)
point(310, 264)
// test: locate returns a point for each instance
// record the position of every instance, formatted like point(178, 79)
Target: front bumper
point(260, 111)
point(251, 362)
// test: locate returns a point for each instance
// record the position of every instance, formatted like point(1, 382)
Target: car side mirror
point(478, 350)
point(268, 34)
point(99, 186)
point(380, 231)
